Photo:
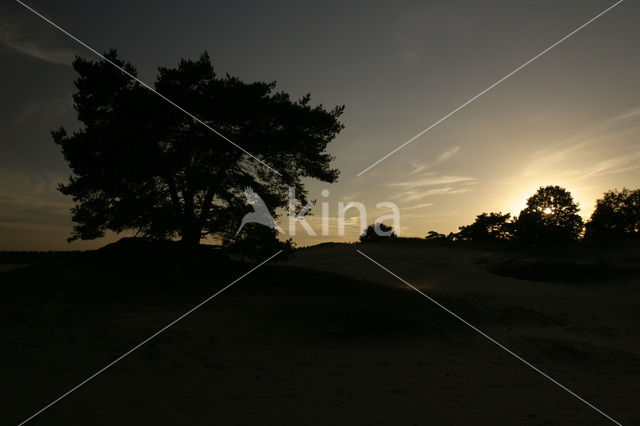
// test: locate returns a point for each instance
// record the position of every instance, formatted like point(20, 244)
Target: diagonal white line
point(196, 119)
point(492, 86)
point(518, 357)
point(145, 341)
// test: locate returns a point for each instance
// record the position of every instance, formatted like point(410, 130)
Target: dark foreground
point(338, 344)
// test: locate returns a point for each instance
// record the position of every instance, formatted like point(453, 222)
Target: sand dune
point(325, 338)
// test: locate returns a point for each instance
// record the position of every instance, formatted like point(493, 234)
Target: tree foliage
point(256, 241)
point(617, 215)
point(377, 233)
point(487, 227)
point(551, 215)
point(434, 235)
point(141, 164)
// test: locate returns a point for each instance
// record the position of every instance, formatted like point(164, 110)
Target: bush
point(617, 215)
point(487, 227)
point(433, 235)
point(377, 233)
point(258, 242)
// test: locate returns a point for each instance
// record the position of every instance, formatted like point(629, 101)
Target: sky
point(570, 118)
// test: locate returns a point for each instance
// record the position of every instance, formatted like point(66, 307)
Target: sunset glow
point(542, 127)
point(333, 212)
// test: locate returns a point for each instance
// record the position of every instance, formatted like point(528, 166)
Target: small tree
point(617, 215)
point(256, 241)
point(487, 227)
point(433, 235)
point(551, 215)
point(377, 233)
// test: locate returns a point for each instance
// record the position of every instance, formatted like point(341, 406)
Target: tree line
point(551, 216)
point(140, 164)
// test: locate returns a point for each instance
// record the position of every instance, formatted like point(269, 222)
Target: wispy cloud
point(550, 157)
point(35, 108)
point(421, 182)
point(28, 197)
point(350, 196)
point(611, 165)
point(415, 195)
point(633, 113)
point(447, 154)
point(432, 180)
point(598, 150)
point(443, 216)
point(419, 206)
point(31, 37)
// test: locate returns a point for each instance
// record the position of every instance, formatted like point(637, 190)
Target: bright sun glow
point(519, 202)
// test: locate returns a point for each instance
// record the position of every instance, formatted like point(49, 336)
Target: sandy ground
point(347, 344)
point(453, 271)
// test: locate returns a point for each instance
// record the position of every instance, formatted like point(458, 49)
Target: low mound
point(561, 270)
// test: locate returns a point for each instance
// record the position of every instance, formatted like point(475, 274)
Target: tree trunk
point(191, 226)
point(191, 236)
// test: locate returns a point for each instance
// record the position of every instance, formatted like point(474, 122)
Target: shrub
point(377, 233)
point(617, 215)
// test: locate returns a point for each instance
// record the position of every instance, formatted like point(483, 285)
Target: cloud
point(601, 149)
point(433, 181)
point(417, 186)
point(52, 107)
point(350, 196)
point(34, 38)
point(616, 164)
point(549, 157)
point(633, 113)
point(447, 154)
point(418, 206)
point(415, 195)
point(32, 198)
